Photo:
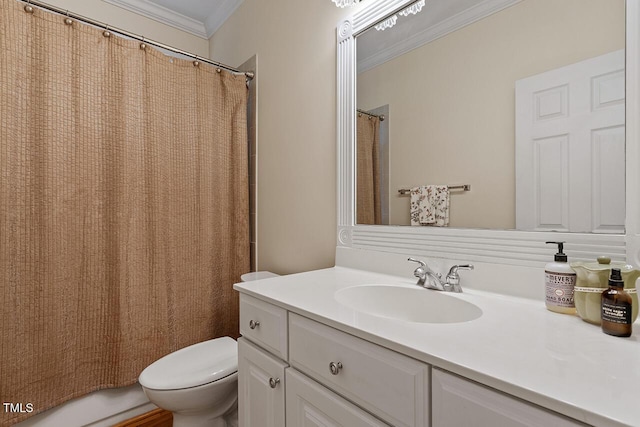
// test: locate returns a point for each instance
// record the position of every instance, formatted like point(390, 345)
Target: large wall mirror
point(523, 104)
point(521, 109)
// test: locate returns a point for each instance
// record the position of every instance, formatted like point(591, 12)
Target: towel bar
point(465, 187)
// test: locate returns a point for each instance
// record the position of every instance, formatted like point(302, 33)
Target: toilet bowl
point(199, 383)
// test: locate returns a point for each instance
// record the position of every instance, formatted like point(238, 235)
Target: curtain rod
point(29, 9)
point(381, 116)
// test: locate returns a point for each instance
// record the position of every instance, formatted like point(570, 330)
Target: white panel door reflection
point(570, 148)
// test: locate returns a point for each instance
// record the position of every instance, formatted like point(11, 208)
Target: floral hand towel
point(430, 205)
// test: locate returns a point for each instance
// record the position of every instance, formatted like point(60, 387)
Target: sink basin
point(409, 304)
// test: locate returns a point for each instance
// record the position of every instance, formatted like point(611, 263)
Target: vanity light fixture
point(387, 23)
point(345, 3)
point(414, 9)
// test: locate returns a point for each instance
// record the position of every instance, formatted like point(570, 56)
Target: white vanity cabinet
point(294, 371)
point(460, 402)
point(262, 355)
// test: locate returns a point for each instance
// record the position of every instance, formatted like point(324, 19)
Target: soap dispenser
point(560, 280)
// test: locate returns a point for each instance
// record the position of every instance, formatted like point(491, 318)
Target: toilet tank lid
point(257, 275)
point(192, 366)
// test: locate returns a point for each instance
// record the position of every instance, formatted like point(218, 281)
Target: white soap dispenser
point(560, 280)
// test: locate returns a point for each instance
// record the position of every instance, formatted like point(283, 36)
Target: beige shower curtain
point(123, 207)
point(368, 206)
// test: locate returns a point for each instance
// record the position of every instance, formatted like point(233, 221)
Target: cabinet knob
point(253, 324)
point(335, 367)
point(274, 382)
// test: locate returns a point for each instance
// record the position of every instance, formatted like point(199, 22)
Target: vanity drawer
point(390, 385)
point(264, 324)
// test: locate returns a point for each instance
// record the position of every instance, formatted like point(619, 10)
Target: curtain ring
point(218, 70)
point(28, 8)
point(143, 46)
point(106, 32)
point(67, 20)
point(196, 63)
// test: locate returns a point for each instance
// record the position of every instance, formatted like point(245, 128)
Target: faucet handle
point(453, 278)
point(422, 263)
point(421, 270)
point(453, 271)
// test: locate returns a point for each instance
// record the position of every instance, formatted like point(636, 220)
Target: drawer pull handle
point(335, 367)
point(273, 383)
point(253, 324)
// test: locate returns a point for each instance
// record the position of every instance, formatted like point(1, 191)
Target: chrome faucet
point(431, 280)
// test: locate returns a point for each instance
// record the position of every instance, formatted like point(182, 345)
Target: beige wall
point(295, 43)
point(452, 101)
point(134, 23)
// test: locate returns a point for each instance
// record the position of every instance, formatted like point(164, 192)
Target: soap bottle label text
point(559, 289)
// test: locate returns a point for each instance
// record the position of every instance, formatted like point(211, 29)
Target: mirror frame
point(513, 247)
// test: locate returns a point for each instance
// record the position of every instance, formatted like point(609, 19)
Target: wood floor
point(155, 418)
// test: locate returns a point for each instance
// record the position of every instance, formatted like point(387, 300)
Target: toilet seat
point(192, 366)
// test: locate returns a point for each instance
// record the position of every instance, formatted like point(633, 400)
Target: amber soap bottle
point(616, 307)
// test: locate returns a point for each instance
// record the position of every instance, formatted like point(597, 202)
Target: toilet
point(199, 383)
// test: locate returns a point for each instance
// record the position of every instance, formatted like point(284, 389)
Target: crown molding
point(163, 15)
point(225, 9)
point(441, 29)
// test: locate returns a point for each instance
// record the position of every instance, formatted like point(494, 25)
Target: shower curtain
point(123, 207)
point(368, 206)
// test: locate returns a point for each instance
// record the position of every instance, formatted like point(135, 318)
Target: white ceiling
point(199, 17)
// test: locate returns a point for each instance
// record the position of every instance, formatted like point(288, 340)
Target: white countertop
point(517, 346)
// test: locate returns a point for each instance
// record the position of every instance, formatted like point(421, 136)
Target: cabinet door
point(260, 387)
point(459, 402)
point(311, 405)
